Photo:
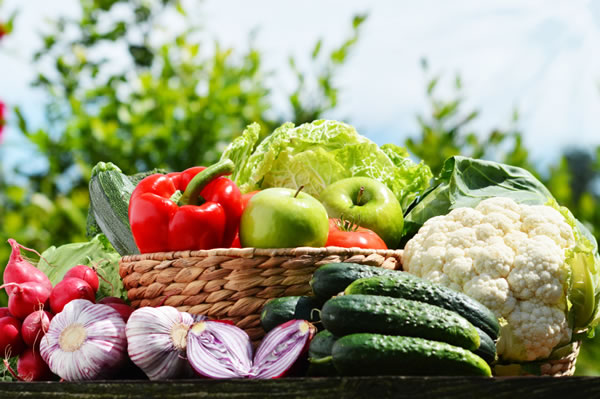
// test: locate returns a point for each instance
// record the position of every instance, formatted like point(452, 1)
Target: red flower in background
point(3, 30)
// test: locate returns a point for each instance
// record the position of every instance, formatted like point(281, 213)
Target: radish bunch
point(32, 303)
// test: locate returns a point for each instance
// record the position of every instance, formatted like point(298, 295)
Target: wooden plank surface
point(321, 388)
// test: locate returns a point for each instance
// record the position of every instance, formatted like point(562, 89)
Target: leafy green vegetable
point(464, 182)
point(56, 261)
point(317, 154)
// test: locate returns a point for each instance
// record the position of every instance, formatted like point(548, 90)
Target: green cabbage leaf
point(317, 154)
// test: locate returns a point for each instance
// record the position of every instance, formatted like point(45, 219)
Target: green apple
point(368, 203)
point(283, 218)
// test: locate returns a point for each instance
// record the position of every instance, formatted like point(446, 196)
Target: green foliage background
point(180, 100)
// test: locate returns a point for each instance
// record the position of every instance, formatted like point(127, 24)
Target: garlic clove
point(85, 341)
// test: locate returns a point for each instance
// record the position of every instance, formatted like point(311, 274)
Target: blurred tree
point(445, 130)
point(122, 87)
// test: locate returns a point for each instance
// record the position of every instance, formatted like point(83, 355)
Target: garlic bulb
point(85, 341)
point(157, 341)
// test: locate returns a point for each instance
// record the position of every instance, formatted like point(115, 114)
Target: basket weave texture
point(560, 367)
point(234, 283)
point(564, 366)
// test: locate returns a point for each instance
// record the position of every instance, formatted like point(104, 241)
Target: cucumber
point(333, 278)
point(110, 191)
point(408, 286)
point(349, 314)
point(487, 347)
point(319, 355)
point(281, 310)
point(375, 354)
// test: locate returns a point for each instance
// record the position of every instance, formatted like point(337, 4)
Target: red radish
point(18, 270)
point(67, 290)
point(4, 312)
point(31, 366)
point(26, 298)
point(85, 273)
point(35, 326)
point(11, 343)
point(112, 299)
point(124, 310)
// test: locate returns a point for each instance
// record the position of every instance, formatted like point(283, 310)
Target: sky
point(540, 57)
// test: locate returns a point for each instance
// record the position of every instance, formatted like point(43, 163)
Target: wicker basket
point(234, 283)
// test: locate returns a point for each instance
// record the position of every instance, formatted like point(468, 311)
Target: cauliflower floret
point(539, 327)
point(492, 292)
point(539, 271)
point(508, 256)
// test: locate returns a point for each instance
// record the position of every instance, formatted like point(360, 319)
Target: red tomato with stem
point(344, 233)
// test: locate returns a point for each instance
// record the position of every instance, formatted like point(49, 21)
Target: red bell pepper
point(194, 209)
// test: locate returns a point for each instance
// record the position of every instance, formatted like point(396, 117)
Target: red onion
point(157, 340)
point(219, 350)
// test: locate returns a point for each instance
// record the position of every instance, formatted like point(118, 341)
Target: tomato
point(346, 234)
point(245, 198)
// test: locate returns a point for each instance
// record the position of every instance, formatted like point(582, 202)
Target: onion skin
point(150, 345)
point(101, 353)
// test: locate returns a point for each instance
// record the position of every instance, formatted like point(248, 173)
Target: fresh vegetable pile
point(36, 307)
point(497, 276)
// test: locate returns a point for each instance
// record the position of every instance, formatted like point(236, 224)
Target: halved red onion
point(281, 348)
point(219, 350)
point(157, 340)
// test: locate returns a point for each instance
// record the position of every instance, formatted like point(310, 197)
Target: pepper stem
point(192, 192)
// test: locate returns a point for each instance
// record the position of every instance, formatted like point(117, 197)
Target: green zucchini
point(110, 191)
point(319, 355)
point(281, 310)
point(333, 278)
point(375, 354)
point(349, 314)
point(408, 286)
point(487, 347)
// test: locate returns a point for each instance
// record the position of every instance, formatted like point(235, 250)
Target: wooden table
point(321, 388)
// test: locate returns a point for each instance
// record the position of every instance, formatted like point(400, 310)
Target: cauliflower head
point(511, 258)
